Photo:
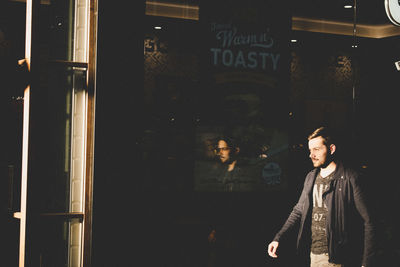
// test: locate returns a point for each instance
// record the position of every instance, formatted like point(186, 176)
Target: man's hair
point(325, 133)
point(231, 142)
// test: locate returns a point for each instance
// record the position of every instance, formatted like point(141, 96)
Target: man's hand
point(272, 247)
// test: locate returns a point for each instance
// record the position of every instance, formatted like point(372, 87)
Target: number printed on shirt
point(318, 217)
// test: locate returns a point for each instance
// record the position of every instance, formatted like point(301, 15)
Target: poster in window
point(242, 139)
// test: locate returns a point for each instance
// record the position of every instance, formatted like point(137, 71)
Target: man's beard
point(328, 160)
point(228, 161)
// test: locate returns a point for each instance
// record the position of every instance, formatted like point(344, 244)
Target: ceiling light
point(157, 27)
point(348, 6)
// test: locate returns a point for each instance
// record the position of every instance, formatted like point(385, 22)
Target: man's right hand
point(272, 247)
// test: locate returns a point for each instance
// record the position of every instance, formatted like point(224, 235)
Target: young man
point(335, 225)
point(229, 173)
point(227, 152)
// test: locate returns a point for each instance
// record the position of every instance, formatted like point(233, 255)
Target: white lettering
point(240, 60)
point(275, 58)
point(226, 37)
point(215, 55)
point(318, 217)
point(264, 56)
point(318, 190)
point(227, 57)
point(230, 37)
point(252, 58)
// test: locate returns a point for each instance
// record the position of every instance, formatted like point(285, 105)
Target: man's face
point(223, 151)
point(320, 155)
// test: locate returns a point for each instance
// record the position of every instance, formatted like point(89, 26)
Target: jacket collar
point(338, 173)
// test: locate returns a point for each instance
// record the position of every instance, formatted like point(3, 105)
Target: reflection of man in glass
point(227, 152)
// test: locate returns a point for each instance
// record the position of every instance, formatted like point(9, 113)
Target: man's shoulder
point(348, 171)
point(311, 175)
point(347, 167)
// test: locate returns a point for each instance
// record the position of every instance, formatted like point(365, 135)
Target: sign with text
point(243, 50)
point(244, 96)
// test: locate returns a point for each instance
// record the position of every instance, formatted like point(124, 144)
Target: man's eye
point(218, 149)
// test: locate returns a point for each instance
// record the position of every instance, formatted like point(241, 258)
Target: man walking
point(335, 224)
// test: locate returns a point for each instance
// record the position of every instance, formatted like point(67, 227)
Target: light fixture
point(157, 27)
point(397, 64)
point(392, 8)
point(348, 6)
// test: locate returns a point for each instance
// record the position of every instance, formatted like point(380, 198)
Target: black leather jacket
point(350, 228)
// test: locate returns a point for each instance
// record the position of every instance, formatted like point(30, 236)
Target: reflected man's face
point(223, 151)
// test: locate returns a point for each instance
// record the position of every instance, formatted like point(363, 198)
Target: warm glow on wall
point(191, 12)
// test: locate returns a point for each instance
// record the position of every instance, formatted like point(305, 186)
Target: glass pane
point(57, 32)
point(63, 30)
point(13, 83)
point(61, 239)
point(58, 185)
point(63, 38)
point(12, 38)
point(228, 79)
point(222, 69)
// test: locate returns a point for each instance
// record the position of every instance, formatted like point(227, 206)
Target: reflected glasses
point(219, 149)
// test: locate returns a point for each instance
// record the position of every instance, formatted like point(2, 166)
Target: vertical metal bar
point(91, 87)
point(25, 137)
point(24, 176)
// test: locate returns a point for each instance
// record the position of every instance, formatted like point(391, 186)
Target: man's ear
point(332, 148)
